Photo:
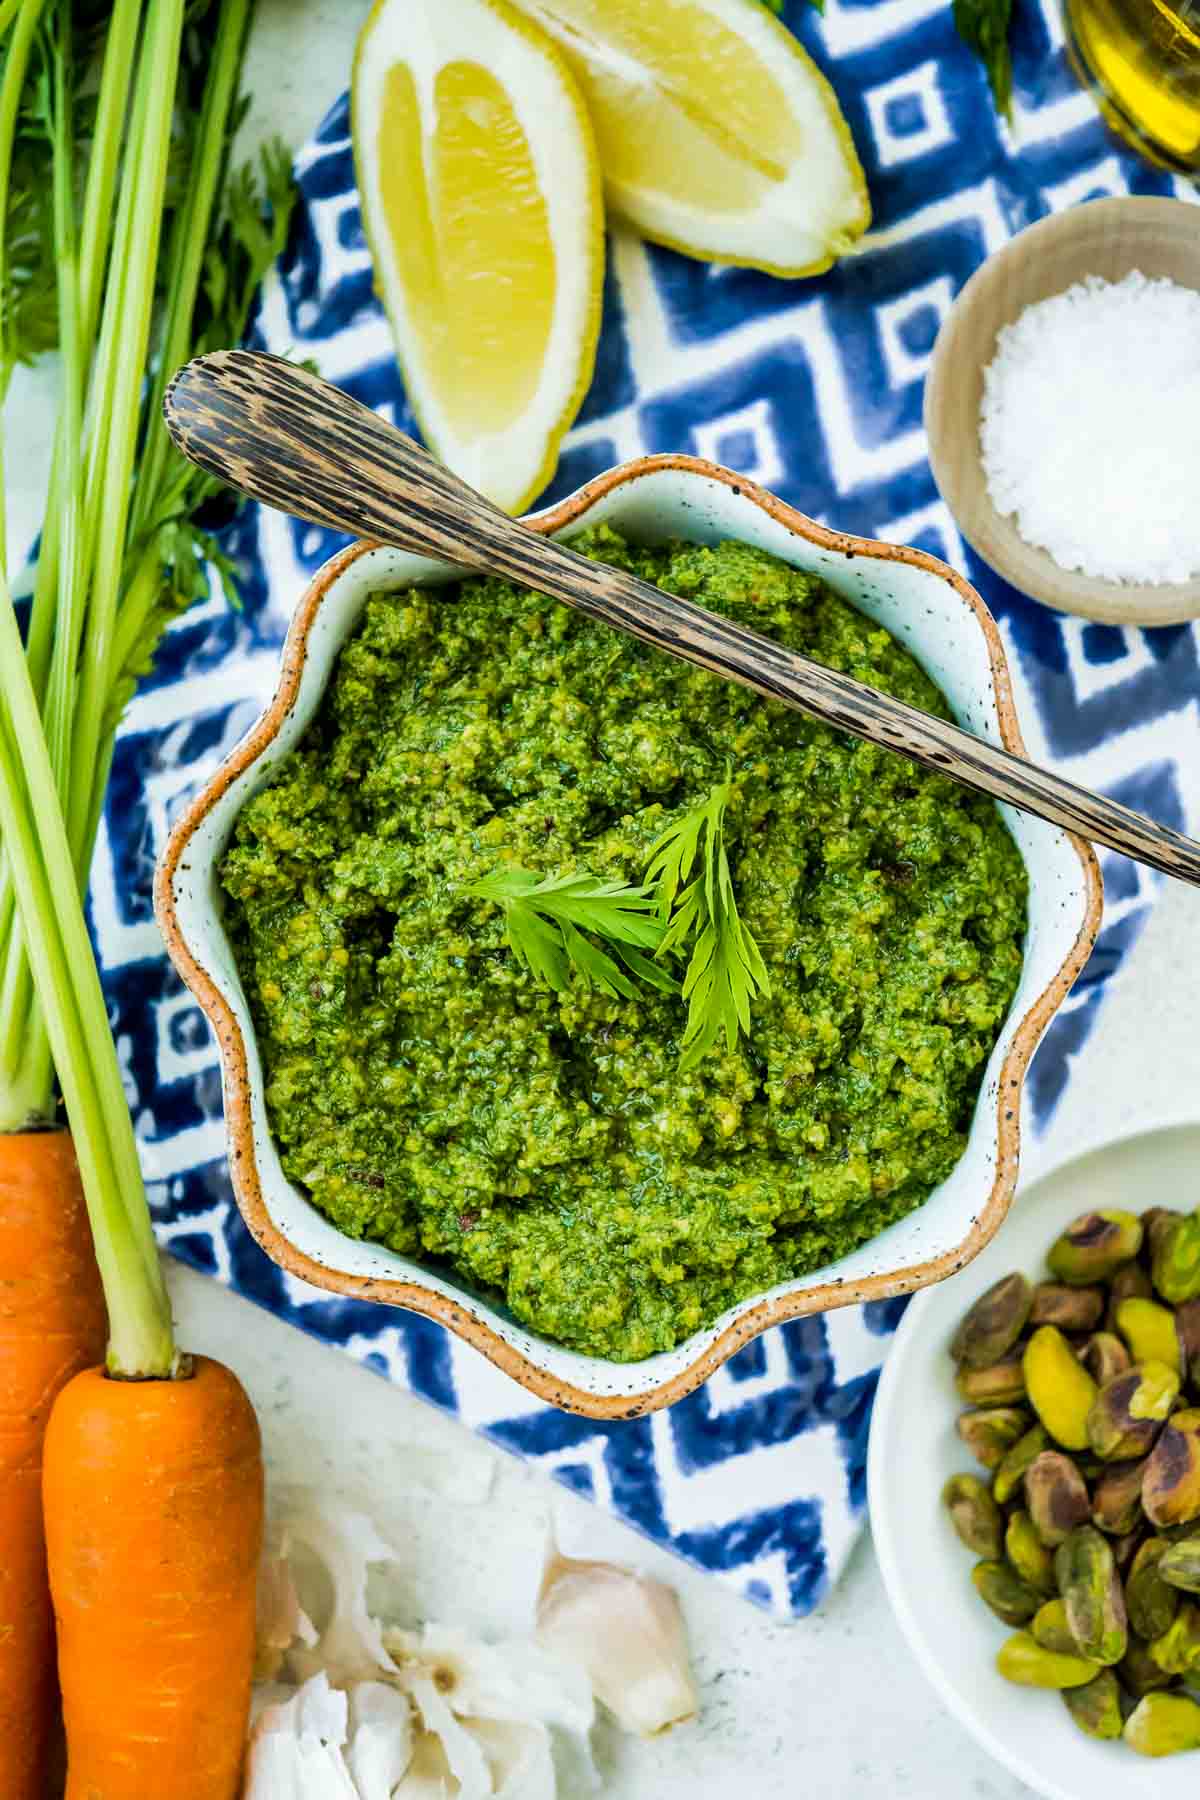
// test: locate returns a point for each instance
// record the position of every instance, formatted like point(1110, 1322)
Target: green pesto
point(546, 1147)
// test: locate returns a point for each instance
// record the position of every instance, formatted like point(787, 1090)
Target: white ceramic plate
point(914, 1449)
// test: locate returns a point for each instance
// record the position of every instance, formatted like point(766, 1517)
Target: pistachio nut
point(1162, 1724)
point(1171, 1488)
point(1011, 1471)
point(1092, 1596)
point(1128, 1412)
point(1150, 1602)
point(1117, 1499)
point(1094, 1246)
point(1149, 1330)
point(1131, 1282)
point(1187, 1330)
point(1156, 1219)
point(1027, 1553)
point(1175, 1534)
point(1177, 1651)
point(974, 1515)
point(992, 1431)
point(1096, 1706)
point(1070, 1308)
point(1056, 1497)
point(1049, 1626)
point(1138, 1672)
point(1179, 1565)
point(995, 1322)
point(1104, 1357)
point(1059, 1387)
point(1126, 1547)
point(1175, 1260)
point(1012, 1600)
point(998, 1385)
point(1023, 1660)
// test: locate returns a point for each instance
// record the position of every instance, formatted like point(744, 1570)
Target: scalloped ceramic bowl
point(945, 624)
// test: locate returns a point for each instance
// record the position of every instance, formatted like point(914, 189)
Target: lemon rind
point(584, 339)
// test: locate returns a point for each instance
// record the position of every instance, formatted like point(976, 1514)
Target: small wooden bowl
point(1109, 238)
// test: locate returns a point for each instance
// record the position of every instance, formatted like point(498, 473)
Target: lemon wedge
point(482, 202)
point(718, 135)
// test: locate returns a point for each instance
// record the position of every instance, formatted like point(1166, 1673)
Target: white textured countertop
point(833, 1707)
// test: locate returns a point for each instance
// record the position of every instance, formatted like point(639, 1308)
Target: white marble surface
point(833, 1707)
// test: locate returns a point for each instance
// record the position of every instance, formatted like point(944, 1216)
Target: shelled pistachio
point(974, 1515)
point(1128, 1412)
point(1028, 1555)
point(994, 1323)
point(1011, 1471)
point(1163, 1724)
point(1023, 1660)
point(1002, 1589)
point(1082, 1389)
point(1093, 1599)
point(1094, 1246)
point(1150, 1602)
point(1096, 1706)
point(1056, 1497)
point(992, 1431)
point(1171, 1488)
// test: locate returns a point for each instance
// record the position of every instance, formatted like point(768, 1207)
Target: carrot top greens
point(128, 244)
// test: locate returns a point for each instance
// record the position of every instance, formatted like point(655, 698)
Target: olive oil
point(1142, 59)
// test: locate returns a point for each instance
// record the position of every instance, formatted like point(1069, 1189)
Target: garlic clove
point(349, 1642)
point(381, 1738)
point(519, 1758)
point(296, 1748)
point(627, 1632)
point(428, 1776)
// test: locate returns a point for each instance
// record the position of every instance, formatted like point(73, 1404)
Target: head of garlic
point(627, 1632)
point(365, 1711)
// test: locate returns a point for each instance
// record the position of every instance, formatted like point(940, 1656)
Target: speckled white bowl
point(915, 1449)
point(945, 624)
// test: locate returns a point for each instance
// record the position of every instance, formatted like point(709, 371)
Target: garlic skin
point(358, 1709)
point(627, 1632)
point(296, 1747)
point(282, 1620)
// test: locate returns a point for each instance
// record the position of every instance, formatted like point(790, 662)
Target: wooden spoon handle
point(296, 442)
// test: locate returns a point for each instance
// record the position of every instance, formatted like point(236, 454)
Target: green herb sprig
point(551, 923)
point(726, 970)
point(546, 919)
point(985, 26)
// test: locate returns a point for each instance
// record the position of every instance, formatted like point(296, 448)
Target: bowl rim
point(985, 528)
point(769, 1310)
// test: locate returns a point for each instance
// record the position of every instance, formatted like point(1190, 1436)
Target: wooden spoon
point(294, 441)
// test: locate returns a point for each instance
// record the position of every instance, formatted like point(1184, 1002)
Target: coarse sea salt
point(1090, 428)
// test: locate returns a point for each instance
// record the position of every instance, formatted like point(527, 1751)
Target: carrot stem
point(99, 211)
point(141, 1342)
point(189, 238)
point(128, 309)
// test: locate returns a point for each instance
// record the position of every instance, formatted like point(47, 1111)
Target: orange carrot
point(153, 1497)
point(51, 1326)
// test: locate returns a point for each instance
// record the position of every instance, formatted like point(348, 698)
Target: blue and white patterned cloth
point(815, 389)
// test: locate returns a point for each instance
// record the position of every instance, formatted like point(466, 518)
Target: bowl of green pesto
point(594, 1005)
